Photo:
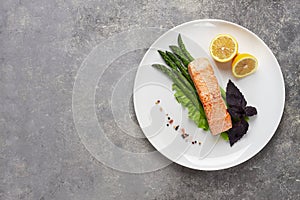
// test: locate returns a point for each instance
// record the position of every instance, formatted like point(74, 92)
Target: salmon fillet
point(209, 93)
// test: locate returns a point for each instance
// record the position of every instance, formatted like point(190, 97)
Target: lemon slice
point(243, 65)
point(223, 48)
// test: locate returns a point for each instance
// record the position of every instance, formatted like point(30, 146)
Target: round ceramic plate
point(264, 89)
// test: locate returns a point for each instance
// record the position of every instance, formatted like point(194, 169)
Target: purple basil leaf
point(233, 100)
point(233, 96)
point(250, 111)
point(237, 131)
point(236, 112)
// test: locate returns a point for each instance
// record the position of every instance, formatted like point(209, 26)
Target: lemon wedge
point(243, 65)
point(223, 48)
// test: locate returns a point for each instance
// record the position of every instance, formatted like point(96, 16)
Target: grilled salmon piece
point(209, 93)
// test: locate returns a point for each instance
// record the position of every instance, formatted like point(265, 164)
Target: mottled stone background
point(42, 45)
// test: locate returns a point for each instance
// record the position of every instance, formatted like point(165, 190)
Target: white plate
point(264, 90)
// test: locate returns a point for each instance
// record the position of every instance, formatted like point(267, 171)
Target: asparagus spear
point(176, 61)
point(186, 82)
point(183, 49)
point(177, 51)
point(168, 60)
point(180, 67)
point(189, 94)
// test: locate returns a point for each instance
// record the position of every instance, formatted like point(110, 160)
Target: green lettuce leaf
point(194, 113)
point(224, 135)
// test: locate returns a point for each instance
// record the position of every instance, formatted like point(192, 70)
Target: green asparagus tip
point(179, 35)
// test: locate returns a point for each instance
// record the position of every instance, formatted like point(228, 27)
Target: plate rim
point(246, 158)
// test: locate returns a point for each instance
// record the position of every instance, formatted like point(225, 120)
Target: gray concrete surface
point(42, 45)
